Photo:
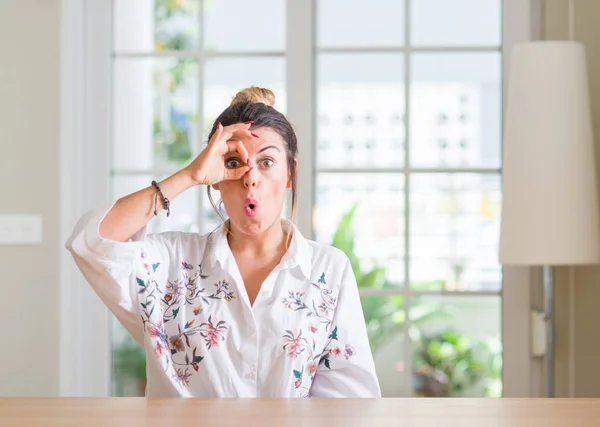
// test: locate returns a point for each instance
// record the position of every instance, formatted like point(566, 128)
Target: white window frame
point(85, 164)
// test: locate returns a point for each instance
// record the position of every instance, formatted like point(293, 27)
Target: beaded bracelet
point(166, 202)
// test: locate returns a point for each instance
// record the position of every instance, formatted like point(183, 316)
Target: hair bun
point(255, 94)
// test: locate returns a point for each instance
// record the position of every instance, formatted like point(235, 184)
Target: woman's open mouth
point(250, 207)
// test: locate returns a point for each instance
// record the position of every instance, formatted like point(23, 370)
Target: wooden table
point(413, 412)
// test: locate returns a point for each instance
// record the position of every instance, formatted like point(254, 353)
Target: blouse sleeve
point(346, 368)
point(110, 267)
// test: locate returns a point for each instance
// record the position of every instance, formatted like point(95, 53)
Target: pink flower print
point(313, 328)
point(349, 352)
point(213, 334)
point(157, 332)
point(160, 349)
point(185, 266)
point(146, 267)
point(336, 351)
point(292, 343)
point(182, 377)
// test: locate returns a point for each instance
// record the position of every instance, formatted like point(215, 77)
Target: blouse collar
point(217, 250)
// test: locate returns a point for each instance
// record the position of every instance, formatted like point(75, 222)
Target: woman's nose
point(250, 178)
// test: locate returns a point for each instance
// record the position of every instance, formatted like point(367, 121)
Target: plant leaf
point(297, 374)
point(155, 266)
point(140, 282)
point(333, 334)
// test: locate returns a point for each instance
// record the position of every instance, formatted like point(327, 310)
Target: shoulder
point(323, 251)
point(328, 260)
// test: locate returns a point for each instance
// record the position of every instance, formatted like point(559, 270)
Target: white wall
point(29, 182)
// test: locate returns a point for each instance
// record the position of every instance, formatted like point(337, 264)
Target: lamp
point(550, 200)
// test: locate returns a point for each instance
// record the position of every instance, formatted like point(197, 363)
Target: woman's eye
point(232, 163)
point(267, 163)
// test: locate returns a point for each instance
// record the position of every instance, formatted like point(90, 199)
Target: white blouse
point(182, 298)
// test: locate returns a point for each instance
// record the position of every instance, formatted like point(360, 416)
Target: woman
point(250, 310)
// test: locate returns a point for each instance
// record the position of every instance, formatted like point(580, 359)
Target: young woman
point(251, 309)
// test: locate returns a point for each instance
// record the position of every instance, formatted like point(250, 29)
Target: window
point(406, 105)
point(408, 128)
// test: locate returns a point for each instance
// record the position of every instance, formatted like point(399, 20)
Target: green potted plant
point(448, 364)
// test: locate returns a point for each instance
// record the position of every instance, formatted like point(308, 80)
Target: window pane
point(384, 317)
point(456, 22)
point(224, 77)
point(454, 231)
point(154, 113)
point(147, 25)
point(123, 185)
point(360, 107)
point(241, 25)
point(456, 346)
point(354, 23)
point(455, 118)
point(376, 232)
point(128, 363)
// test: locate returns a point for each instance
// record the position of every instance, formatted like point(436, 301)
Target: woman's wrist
point(194, 177)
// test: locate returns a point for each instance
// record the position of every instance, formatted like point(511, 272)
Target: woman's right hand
point(209, 167)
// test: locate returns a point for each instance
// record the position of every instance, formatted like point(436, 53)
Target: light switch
point(20, 229)
point(538, 333)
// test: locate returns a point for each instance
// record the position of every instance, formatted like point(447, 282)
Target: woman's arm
point(346, 368)
point(131, 213)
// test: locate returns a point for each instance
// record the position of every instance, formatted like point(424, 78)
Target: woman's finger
point(217, 135)
point(235, 145)
point(235, 173)
point(240, 130)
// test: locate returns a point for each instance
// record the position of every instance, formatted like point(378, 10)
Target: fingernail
point(248, 161)
point(219, 125)
point(254, 135)
point(248, 122)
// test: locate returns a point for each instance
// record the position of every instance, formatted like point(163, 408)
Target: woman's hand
point(210, 168)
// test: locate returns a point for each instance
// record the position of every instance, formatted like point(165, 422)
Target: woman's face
point(254, 202)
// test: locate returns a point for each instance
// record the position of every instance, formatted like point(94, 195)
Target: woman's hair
point(256, 104)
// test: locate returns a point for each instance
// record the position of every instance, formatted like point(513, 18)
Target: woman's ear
point(289, 183)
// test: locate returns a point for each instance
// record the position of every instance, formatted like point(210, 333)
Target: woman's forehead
point(266, 137)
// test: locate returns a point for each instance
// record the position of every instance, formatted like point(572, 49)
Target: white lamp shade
point(550, 200)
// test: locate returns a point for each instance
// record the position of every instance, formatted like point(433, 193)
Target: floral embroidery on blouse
point(179, 355)
point(326, 303)
point(295, 344)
